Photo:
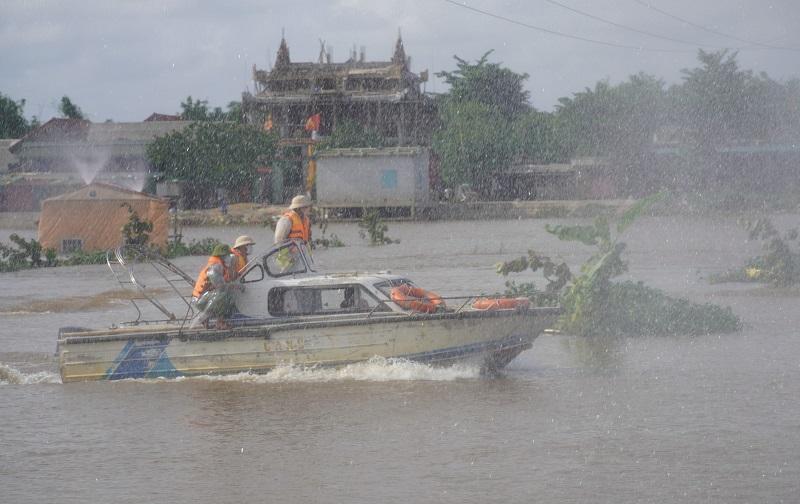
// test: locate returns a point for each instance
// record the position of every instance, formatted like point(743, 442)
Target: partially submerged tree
point(780, 263)
point(594, 305)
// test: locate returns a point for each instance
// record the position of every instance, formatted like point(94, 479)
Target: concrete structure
point(369, 178)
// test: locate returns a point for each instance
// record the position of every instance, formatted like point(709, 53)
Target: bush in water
point(594, 305)
point(780, 264)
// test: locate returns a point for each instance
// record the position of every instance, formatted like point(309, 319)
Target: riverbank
point(253, 214)
point(250, 214)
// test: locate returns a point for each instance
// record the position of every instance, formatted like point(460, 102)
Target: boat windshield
point(288, 259)
point(386, 287)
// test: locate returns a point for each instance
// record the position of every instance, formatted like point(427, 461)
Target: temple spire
point(399, 56)
point(283, 53)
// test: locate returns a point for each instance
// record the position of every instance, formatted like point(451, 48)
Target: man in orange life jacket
point(242, 248)
point(213, 277)
point(295, 224)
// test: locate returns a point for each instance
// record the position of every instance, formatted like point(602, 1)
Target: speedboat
point(289, 314)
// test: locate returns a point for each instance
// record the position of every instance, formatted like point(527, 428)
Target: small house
point(92, 218)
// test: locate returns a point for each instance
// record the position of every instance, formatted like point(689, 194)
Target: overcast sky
point(123, 60)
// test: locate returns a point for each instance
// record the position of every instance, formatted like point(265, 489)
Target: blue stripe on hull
point(142, 359)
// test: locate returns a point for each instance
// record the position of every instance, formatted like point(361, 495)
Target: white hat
point(243, 240)
point(300, 201)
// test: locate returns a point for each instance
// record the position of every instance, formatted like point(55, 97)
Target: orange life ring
point(416, 299)
point(501, 303)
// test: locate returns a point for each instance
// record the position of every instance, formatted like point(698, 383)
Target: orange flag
point(312, 124)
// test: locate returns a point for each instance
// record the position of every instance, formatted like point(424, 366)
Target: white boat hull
point(491, 339)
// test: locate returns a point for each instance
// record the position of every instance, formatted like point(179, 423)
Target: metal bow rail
point(125, 263)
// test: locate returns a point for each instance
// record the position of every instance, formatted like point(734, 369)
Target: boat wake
point(377, 369)
point(13, 376)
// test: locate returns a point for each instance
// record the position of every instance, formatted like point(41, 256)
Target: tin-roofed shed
point(370, 177)
point(92, 218)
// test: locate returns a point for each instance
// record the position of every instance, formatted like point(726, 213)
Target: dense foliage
point(197, 110)
point(595, 305)
point(474, 143)
point(69, 109)
point(487, 123)
point(352, 134)
point(780, 263)
point(211, 155)
point(12, 119)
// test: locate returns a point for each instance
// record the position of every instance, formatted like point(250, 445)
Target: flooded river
point(679, 419)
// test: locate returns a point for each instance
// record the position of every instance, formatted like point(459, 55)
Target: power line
point(561, 34)
point(715, 32)
point(624, 27)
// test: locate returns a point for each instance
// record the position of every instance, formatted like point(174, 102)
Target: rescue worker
point(241, 251)
point(210, 294)
point(295, 223)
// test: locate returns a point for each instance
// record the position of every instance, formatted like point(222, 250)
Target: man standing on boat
point(295, 223)
point(242, 249)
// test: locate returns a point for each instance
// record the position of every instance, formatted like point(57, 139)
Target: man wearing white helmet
point(241, 251)
point(295, 223)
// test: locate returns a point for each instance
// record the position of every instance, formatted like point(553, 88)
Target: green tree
point(198, 110)
point(352, 134)
point(616, 121)
point(194, 110)
point(537, 139)
point(211, 155)
point(12, 121)
point(69, 109)
point(476, 138)
point(234, 112)
point(713, 100)
point(488, 83)
point(474, 143)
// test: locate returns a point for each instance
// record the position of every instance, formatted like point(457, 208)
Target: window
point(389, 179)
point(254, 274)
point(293, 301)
point(71, 245)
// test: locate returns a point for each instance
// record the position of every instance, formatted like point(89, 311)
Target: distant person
point(295, 223)
point(241, 252)
point(350, 302)
point(211, 295)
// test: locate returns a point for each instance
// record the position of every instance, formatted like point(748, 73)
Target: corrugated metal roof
point(104, 133)
point(100, 191)
point(370, 151)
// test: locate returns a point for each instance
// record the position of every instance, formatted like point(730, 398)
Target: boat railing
point(132, 265)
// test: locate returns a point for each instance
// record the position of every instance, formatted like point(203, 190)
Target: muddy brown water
point(679, 419)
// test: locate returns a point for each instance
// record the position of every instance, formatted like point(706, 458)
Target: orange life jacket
point(203, 283)
point(301, 226)
point(239, 261)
